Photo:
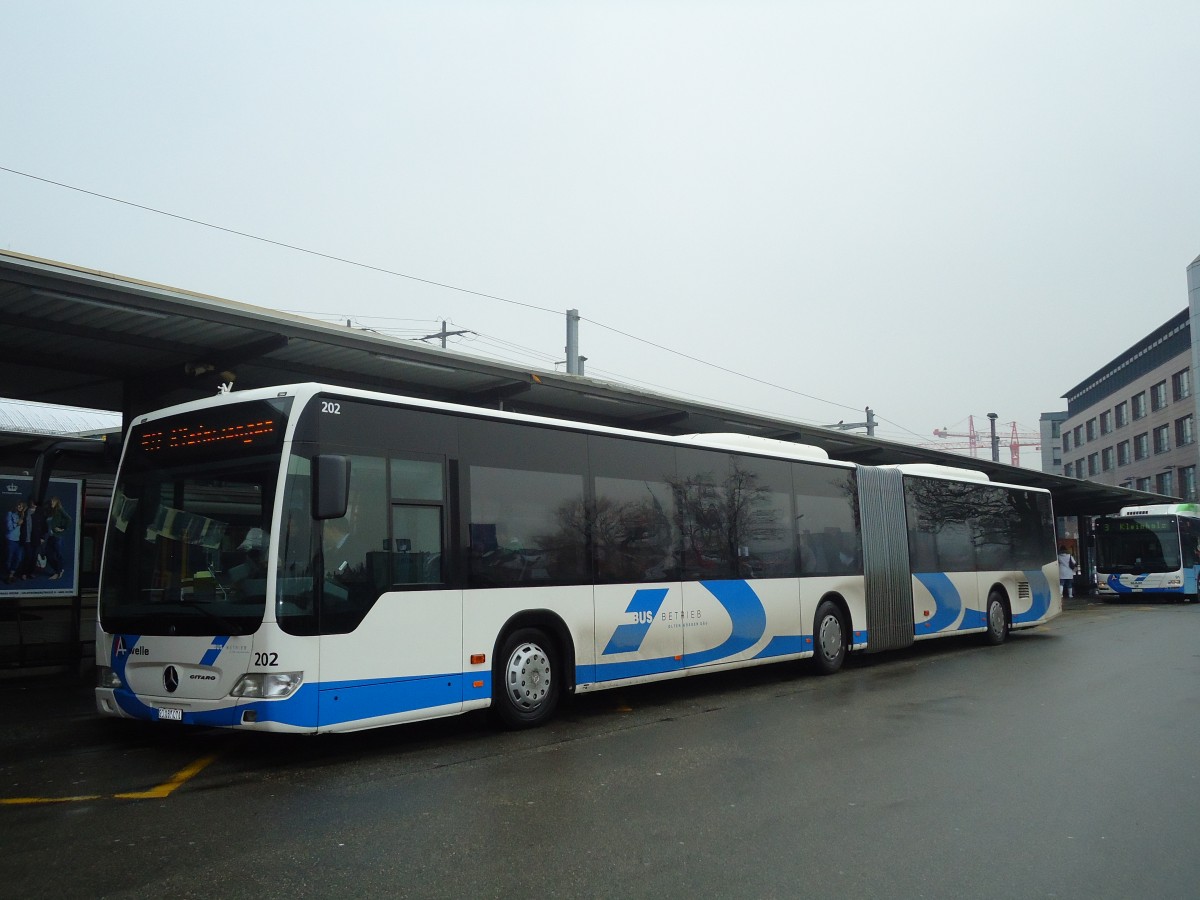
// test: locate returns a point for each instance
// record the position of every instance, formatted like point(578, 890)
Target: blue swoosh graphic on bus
point(122, 650)
point(946, 600)
point(746, 613)
point(131, 704)
point(119, 654)
point(1039, 587)
point(349, 701)
point(645, 606)
point(785, 645)
point(218, 644)
point(748, 617)
point(1136, 587)
point(973, 618)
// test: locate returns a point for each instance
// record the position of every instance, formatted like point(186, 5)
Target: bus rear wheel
point(997, 619)
point(526, 682)
point(829, 639)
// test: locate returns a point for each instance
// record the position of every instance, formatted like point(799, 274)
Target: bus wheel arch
point(532, 667)
point(997, 616)
point(831, 634)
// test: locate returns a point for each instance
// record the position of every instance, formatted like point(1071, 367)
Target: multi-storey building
point(1050, 428)
point(1133, 422)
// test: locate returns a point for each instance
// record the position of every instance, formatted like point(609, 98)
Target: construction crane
point(972, 437)
point(1017, 440)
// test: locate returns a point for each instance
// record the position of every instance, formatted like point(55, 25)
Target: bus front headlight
point(107, 678)
point(267, 685)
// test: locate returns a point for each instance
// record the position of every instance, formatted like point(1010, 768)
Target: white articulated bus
point(1149, 550)
point(311, 558)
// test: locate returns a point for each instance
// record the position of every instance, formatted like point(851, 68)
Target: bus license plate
point(173, 715)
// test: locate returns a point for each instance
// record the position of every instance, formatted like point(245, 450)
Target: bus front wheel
point(526, 682)
point(997, 619)
point(829, 639)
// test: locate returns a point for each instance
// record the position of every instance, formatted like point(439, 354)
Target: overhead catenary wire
point(498, 347)
point(451, 287)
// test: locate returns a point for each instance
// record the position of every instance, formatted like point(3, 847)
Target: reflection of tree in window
point(525, 527)
point(956, 527)
point(996, 527)
point(826, 521)
point(633, 534)
point(938, 515)
point(723, 521)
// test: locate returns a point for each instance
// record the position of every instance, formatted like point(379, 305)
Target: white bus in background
point(1151, 550)
point(311, 558)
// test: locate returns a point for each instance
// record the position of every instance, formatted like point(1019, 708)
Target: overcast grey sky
point(804, 208)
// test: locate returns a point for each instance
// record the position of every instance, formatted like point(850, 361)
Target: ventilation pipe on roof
point(574, 361)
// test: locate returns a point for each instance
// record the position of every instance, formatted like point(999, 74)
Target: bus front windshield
point(188, 534)
point(1138, 546)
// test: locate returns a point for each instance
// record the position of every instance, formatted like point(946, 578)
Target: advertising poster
point(41, 543)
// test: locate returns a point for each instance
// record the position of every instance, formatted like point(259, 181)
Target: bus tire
point(829, 638)
point(997, 619)
point(527, 680)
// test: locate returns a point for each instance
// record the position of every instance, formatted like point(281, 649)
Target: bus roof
point(1163, 509)
point(737, 443)
point(931, 470)
point(748, 443)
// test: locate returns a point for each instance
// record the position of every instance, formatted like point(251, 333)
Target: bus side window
point(528, 528)
point(826, 520)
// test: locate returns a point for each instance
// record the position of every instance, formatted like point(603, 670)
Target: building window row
point(1139, 448)
point(1131, 410)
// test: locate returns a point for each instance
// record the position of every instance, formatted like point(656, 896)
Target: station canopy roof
point(89, 339)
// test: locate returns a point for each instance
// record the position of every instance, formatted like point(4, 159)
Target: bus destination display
point(1111, 526)
point(186, 437)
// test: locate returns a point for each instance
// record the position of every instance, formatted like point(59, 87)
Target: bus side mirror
point(331, 486)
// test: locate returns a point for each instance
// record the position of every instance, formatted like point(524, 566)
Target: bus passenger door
point(392, 628)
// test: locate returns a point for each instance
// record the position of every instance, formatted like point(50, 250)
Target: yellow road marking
point(182, 776)
point(156, 793)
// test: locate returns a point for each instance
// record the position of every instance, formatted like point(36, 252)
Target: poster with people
point(40, 556)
